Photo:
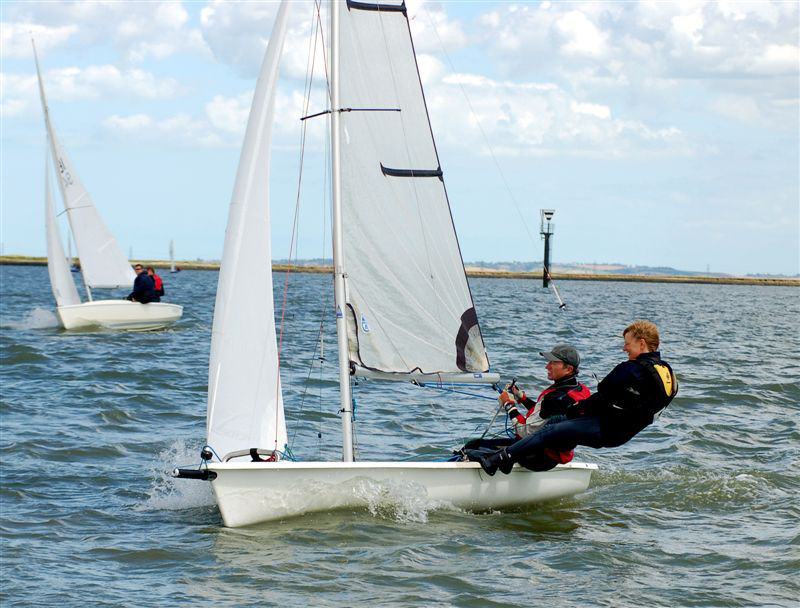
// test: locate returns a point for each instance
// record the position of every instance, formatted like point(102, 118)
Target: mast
point(338, 251)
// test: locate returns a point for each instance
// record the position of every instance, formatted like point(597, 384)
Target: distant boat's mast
point(338, 252)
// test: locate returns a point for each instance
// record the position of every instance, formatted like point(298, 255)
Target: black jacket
point(629, 397)
point(143, 289)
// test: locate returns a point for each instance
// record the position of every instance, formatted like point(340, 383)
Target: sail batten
point(245, 406)
point(377, 6)
point(412, 172)
point(407, 289)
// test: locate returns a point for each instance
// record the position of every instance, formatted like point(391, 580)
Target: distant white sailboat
point(172, 267)
point(403, 306)
point(103, 264)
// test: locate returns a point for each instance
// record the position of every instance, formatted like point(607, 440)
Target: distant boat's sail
point(410, 308)
point(245, 407)
point(171, 257)
point(57, 265)
point(102, 262)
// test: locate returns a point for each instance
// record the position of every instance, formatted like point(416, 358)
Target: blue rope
point(450, 390)
point(213, 451)
point(288, 454)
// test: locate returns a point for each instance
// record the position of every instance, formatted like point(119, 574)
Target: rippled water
point(700, 509)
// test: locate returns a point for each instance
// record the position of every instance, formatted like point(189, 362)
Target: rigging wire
point(480, 128)
point(293, 244)
point(497, 164)
point(562, 306)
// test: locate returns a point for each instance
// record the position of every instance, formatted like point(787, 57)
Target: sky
point(662, 133)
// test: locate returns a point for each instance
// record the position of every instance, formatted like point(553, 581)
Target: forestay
point(102, 262)
point(409, 304)
point(61, 281)
point(245, 407)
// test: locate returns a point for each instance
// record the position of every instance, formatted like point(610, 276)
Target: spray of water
point(398, 501)
point(167, 492)
point(38, 318)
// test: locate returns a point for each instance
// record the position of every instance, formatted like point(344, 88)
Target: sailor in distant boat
point(158, 284)
point(627, 400)
point(551, 406)
point(143, 287)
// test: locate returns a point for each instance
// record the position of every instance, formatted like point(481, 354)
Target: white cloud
point(778, 59)
point(99, 81)
point(634, 52)
point(180, 128)
point(237, 32)
point(430, 68)
point(11, 107)
point(229, 114)
point(690, 25)
point(592, 109)
point(138, 30)
point(21, 92)
point(222, 124)
point(15, 38)
point(738, 107)
point(581, 36)
point(535, 119)
point(432, 28)
point(131, 124)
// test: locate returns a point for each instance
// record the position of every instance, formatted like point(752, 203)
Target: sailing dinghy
point(103, 265)
point(403, 306)
point(172, 267)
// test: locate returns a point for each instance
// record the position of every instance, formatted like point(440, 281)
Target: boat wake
point(398, 501)
point(682, 487)
point(167, 492)
point(38, 318)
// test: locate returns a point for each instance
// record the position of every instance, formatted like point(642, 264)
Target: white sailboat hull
point(119, 314)
point(253, 492)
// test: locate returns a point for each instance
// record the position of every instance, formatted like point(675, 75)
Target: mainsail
point(409, 304)
point(61, 281)
point(245, 407)
point(102, 262)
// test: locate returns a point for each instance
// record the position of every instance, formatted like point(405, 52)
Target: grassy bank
point(471, 272)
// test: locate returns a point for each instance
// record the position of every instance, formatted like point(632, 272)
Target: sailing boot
point(487, 461)
point(506, 463)
point(492, 461)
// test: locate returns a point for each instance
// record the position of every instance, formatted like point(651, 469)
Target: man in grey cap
point(562, 370)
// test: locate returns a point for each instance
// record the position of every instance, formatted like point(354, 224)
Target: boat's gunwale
point(97, 303)
point(367, 465)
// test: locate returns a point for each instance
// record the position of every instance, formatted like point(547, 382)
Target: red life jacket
point(579, 393)
point(159, 283)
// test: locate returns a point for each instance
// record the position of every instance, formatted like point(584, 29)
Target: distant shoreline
point(21, 260)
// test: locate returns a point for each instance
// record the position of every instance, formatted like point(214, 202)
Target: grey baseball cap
point(564, 353)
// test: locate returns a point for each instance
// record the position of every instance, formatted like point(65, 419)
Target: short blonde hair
point(645, 330)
